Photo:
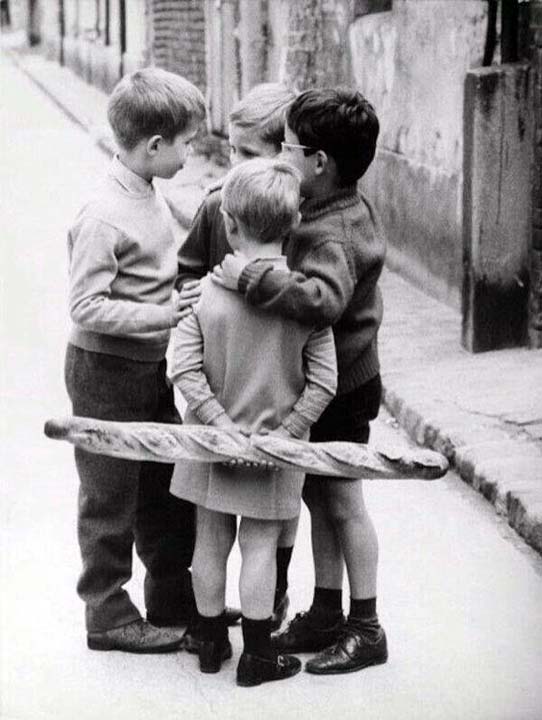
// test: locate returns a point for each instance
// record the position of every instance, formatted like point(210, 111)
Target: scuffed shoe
point(212, 654)
point(305, 633)
point(136, 637)
point(279, 612)
point(253, 670)
point(357, 647)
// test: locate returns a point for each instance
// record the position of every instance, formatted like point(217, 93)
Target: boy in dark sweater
point(123, 265)
point(335, 258)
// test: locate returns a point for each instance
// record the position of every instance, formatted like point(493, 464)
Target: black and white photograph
point(271, 376)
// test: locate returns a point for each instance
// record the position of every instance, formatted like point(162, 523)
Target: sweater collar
point(339, 200)
point(130, 181)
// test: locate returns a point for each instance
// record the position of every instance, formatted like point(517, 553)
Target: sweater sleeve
point(187, 370)
point(94, 247)
point(320, 365)
point(317, 294)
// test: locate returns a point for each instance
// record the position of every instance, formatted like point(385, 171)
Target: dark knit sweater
point(205, 245)
point(335, 256)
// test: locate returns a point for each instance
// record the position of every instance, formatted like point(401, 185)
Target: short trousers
point(347, 416)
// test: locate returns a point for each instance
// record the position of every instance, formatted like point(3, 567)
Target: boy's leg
point(165, 527)
point(215, 538)
point(363, 641)
point(285, 548)
point(259, 662)
point(108, 388)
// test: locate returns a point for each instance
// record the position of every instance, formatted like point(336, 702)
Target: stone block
point(497, 192)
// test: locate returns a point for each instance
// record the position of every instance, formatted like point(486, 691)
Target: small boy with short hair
point(123, 265)
point(335, 258)
point(243, 369)
point(256, 129)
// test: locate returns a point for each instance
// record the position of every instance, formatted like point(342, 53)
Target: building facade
point(460, 121)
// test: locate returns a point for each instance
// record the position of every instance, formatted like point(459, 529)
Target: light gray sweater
point(123, 264)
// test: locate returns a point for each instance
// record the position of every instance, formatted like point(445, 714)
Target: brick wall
point(535, 305)
point(178, 38)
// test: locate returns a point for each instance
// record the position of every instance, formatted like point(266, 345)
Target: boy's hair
point(342, 123)
point(153, 102)
point(264, 109)
point(264, 195)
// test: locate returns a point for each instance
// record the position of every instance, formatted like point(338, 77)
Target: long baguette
point(160, 442)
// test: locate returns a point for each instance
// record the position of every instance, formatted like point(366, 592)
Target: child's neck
point(323, 187)
point(255, 250)
point(136, 164)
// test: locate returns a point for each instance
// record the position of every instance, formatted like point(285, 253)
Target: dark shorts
point(347, 416)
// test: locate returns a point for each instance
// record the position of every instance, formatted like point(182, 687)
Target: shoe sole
point(313, 671)
point(212, 669)
point(105, 646)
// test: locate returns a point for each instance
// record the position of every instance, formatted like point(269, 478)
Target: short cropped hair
point(264, 109)
point(341, 122)
point(153, 102)
point(264, 195)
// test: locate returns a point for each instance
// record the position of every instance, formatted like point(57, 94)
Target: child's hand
point(183, 301)
point(281, 431)
point(229, 272)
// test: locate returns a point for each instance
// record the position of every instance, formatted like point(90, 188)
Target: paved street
point(460, 594)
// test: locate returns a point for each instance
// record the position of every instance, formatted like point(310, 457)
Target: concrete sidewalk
point(484, 412)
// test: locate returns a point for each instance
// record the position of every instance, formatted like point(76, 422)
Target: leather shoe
point(358, 647)
point(136, 637)
point(279, 612)
point(253, 670)
point(212, 654)
point(308, 633)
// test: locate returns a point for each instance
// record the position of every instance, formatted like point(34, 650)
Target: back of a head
point(341, 122)
point(264, 195)
point(153, 102)
point(264, 108)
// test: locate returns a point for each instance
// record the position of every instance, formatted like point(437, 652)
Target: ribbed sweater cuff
point(209, 410)
point(252, 272)
point(296, 424)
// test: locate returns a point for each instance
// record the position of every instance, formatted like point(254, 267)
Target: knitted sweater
point(335, 257)
point(205, 245)
point(123, 264)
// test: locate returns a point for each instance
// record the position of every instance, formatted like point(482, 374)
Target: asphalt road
point(460, 596)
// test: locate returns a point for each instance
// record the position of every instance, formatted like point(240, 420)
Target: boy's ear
point(153, 144)
point(297, 221)
point(322, 161)
point(230, 223)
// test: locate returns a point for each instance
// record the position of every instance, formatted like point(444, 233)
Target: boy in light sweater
point(123, 264)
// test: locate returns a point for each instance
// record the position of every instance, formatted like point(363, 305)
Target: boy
point(243, 369)
point(256, 129)
point(335, 258)
point(123, 264)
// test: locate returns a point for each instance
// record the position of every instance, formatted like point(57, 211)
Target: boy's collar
point(131, 181)
point(341, 198)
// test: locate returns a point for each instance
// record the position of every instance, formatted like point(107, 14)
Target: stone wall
point(411, 63)
point(535, 305)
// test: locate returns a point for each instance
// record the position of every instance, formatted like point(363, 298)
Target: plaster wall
point(411, 64)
